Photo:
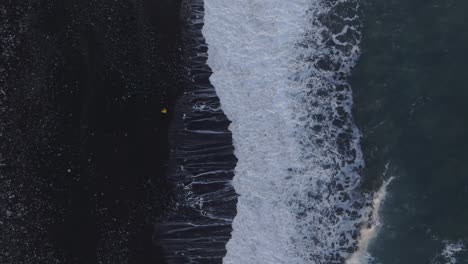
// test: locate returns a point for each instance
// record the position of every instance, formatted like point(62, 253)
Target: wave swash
point(280, 69)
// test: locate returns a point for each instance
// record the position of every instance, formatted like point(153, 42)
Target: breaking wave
point(280, 70)
point(370, 230)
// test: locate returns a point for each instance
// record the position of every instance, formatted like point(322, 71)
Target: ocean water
point(410, 102)
point(347, 125)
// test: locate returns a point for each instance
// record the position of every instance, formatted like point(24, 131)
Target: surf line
point(370, 230)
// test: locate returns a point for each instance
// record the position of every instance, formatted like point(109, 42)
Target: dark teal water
point(411, 98)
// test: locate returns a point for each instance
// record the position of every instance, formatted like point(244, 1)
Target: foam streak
point(280, 70)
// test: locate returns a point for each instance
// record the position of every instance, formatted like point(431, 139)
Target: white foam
point(369, 231)
point(297, 147)
point(450, 251)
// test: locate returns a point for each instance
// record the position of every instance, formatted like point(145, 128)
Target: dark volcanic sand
point(83, 144)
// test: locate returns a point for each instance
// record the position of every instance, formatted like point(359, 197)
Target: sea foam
point(450, 251)
point(280, 70)
point(370, 231)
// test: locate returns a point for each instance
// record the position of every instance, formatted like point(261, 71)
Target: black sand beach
point(83, 142)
